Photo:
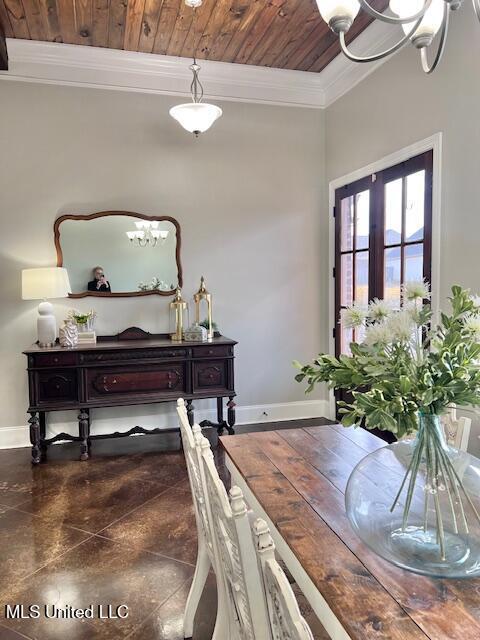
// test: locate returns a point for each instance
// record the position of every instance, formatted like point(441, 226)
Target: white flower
point(472, 324)
point(414, 311)
point(400, 326)
point(413, 291)
point(476, 301)
point(378, 310)
point(377, 334)
point(353, 317)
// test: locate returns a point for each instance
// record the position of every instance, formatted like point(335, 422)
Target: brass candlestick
point(203, 295)
point(177, 309)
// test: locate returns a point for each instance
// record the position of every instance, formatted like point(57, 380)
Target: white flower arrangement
point(404, 374)
point(154, 285)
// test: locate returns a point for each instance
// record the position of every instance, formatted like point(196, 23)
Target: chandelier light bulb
point(430, 24)
point(339, 14)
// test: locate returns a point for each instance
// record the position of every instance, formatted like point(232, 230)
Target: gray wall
point(248, 195)
point(398, 105)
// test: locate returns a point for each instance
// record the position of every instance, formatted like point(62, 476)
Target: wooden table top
point(299, 477)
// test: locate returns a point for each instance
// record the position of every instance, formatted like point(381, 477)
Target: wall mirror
point(119, 253)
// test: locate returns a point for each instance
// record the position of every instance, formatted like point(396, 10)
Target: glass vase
point(416, 503)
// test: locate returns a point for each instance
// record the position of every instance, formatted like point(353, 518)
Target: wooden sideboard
point(131, 368)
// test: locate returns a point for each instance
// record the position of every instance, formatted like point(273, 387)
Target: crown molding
point(341, 75)
point(78, 65)
point(67, 64)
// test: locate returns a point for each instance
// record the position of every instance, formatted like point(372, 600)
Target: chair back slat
point(286, 621)
point(233, 537)
point(191, 447)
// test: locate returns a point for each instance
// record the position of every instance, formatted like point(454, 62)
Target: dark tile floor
point(117, 529)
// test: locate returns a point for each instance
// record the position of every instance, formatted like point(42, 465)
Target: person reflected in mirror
point(99, 282)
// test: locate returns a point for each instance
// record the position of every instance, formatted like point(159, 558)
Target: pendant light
point(196, 116)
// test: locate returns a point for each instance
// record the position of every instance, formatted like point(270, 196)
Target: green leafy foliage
point(391, 383)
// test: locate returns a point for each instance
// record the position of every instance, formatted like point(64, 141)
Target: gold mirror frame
point(132, 214)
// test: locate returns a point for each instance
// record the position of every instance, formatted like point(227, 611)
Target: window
point(383, 237)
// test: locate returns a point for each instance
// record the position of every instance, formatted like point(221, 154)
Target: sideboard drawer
point(210, 375)
point(209, 351)
point(57, 386)
point(118, 382)
point(55, 359)
point(131, 355)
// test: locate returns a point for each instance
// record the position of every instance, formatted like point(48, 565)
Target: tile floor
point(117, 529)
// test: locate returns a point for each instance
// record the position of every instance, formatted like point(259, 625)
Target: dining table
point(295, 479)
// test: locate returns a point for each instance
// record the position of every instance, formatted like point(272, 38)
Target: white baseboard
point(17, 437)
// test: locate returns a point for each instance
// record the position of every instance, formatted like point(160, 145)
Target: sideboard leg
point(190, 414)
point(231, 415)
point(34, 423)
point(221, 424)
point(83, 431)
point(89, 442)
point(43, 431)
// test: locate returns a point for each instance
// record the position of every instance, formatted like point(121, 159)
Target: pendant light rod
point(196, 88)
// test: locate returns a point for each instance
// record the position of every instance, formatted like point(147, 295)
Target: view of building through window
point(381, 236)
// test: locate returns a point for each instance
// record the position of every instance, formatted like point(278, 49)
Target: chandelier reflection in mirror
point(421, 21)
point(196, 116)
point(147, 234)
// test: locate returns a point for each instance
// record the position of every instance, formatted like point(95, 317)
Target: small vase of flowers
point(416, 502)
point(84, 321)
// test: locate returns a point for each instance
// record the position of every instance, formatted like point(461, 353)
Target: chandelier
point(421, 21)
point(196, 116)
point(147, 234)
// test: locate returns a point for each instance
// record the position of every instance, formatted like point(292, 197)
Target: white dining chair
point(286, 620)
point(255, 600)
point(248, 616)
point(457, 430)
point(207, 556)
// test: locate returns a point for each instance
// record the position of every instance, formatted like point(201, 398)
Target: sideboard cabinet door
point(210, 375)
point(57, 386)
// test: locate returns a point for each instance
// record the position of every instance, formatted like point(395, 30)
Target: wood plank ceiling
point(287, 34)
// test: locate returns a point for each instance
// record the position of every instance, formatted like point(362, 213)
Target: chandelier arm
point(441, 45)
point(392, 19)
point(476, 7)
point(383, 54)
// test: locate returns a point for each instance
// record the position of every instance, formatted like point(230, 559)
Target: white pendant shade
point(330, 9)
point(196, 117)
point(432, 21)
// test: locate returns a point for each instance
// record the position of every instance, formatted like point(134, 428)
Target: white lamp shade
point(45, 283)
point(330, 9)
point(431, 22)
point(196, 117)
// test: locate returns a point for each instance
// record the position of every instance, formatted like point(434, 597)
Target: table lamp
point(42, 284)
